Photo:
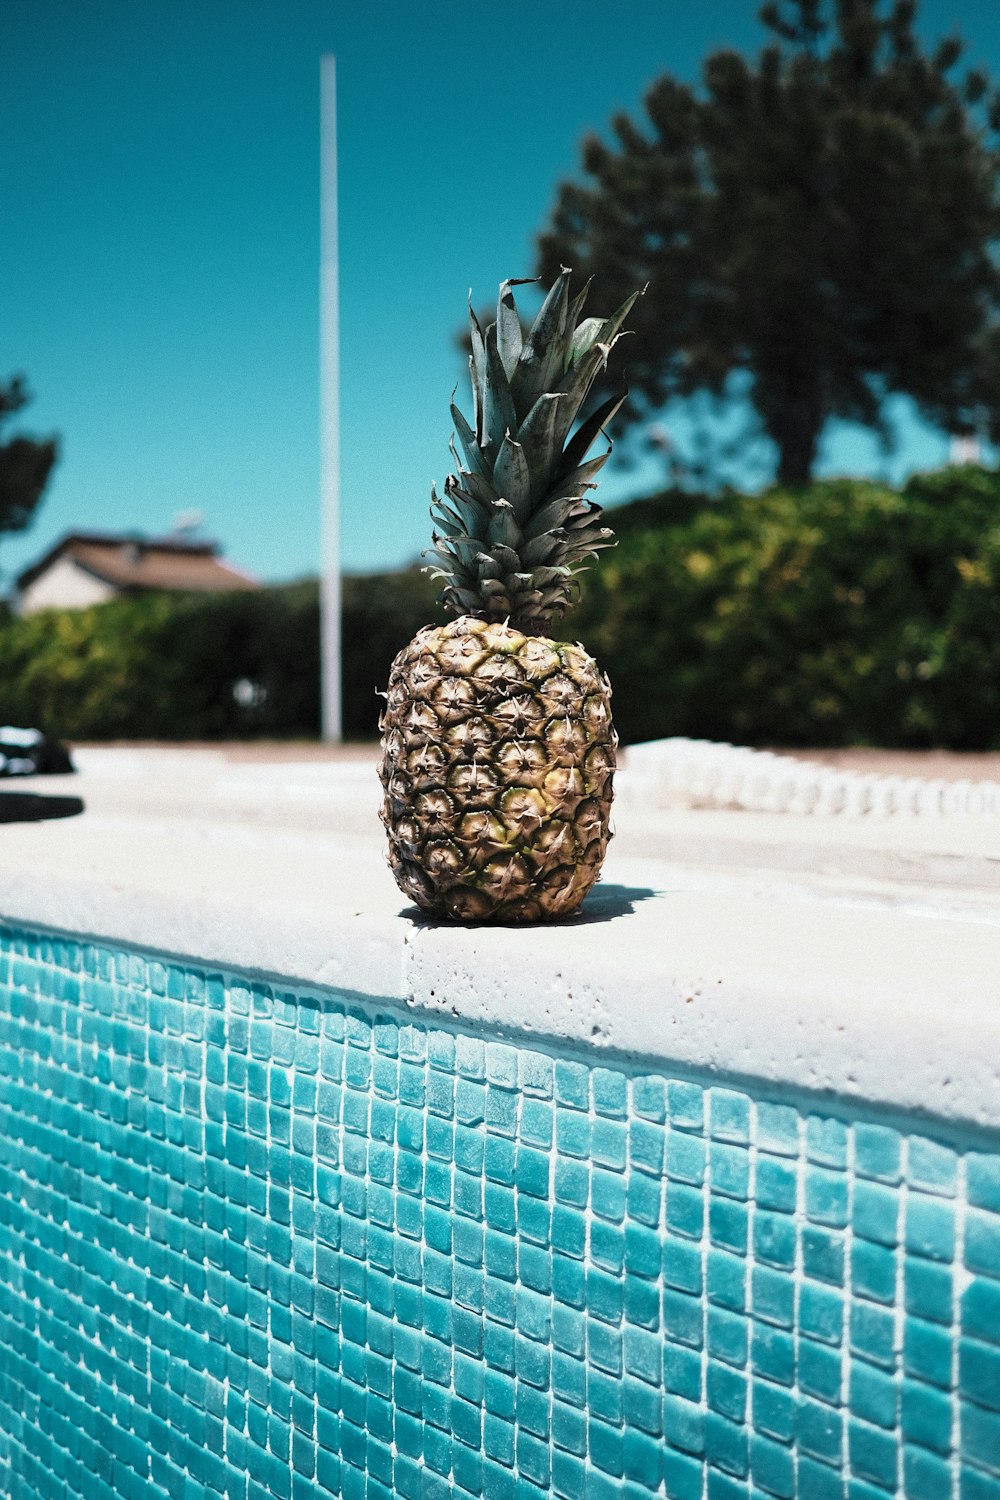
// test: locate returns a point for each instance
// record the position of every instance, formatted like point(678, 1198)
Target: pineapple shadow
point(604, 903)
point(34, 807)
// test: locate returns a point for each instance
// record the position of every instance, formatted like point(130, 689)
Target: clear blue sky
point(160, 224)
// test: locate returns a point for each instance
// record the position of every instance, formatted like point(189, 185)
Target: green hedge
point(163, 666)
point(845, 613)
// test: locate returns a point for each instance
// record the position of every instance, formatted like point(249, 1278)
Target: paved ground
point(950, 765)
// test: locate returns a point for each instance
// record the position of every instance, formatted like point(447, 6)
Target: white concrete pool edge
point(856, 993)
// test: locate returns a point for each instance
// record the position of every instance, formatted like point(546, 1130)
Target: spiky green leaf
point(502, 526)
point(583, 476)
point(585, 336)
point(511, 477)
point(474, 456)
point(586, 433)
point(499, 416)
point(537, 437)
point(509, 337)
point(528, 379)
point(554, 513)
point(616, 320)
point(477, 369)
point(577, 388)
point(506, 558)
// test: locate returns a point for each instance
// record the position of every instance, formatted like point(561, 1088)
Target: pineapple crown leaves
point(515, 525)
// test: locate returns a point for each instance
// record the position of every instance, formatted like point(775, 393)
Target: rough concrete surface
point(859, 958)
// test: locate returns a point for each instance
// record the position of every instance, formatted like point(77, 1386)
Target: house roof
point(136, 562)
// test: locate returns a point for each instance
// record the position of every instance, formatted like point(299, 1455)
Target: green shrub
point(164, 666)
point(845, 613)
point(381, 613)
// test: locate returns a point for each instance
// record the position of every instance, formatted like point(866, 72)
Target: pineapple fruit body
point(498, 757)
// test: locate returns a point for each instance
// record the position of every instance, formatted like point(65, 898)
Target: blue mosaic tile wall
point(255, 1243)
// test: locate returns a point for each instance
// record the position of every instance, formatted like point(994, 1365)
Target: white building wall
point(64, 586)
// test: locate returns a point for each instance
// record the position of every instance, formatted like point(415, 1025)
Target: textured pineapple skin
point(498, 758)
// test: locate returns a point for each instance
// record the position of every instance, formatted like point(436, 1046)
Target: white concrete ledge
point(741, 945)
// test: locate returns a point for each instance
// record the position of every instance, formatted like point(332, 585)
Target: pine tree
point(25, 462)
point(823, 218)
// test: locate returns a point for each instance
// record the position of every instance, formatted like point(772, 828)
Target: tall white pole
point(330, 645)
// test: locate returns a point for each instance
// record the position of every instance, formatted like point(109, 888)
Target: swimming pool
point(266, 1238)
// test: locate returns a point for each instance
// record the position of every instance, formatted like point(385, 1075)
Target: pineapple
point(498, 750)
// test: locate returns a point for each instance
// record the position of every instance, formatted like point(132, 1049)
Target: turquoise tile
point(683, 1319)
point(649, 1097)
point(682, 1371)
point(727, 1336)
point(641, 1460)
point(773, 1296)
point(820, 1370)
point(726, 1445)
point(686, 1105)
point(930, 1227)
point(980, 1311)
point(873, 1454)
point(927, 1352)
point(926, 1416)
point(772, 1466)
point(983, 1178)
point(823, 1255)
point(682, 1265)
point(380, 1231)
point(979, 1373)
point(975, 1484)
point(979, 1441)
point(685, 1158)
point(609, 1092)
point(643, 1196)
point(927, 1475)
point(773, 1411)
point(609, 1143)
point(982, 1243)
point(875, 1214)
point(607, 1192)
point(873, 1395)
point(929, 1290)
point(729, 1170)
point(776, 1185)
point(730, 1115)
point(646, 1147)
point(685, 1210)
point(726, 1280)
point(682, 1477)
point(826, 1197)
point(774, 1238)
point(821, 1313)
point(684, 1425)
point(873, 1271)
point(728, 1224)
point(777, 1129)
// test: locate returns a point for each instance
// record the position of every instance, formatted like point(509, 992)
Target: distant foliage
point(164, 666)
point(25, 462)
point(382, 613)
point(820, 220)
point(206, 667)
point(845, 613)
